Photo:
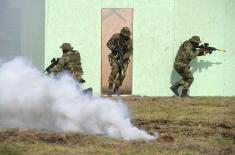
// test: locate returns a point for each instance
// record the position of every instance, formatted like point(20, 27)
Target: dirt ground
point(199, 125)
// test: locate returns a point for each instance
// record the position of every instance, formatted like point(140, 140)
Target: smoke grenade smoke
point(29, 99)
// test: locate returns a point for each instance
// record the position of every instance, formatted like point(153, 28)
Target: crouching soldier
point(70, 62)
point(121, 48)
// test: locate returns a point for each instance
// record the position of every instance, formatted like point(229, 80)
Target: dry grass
point(202, 125)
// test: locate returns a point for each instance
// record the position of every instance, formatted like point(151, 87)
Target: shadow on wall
point(196, 65)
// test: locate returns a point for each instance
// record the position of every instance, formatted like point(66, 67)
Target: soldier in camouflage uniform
point(187, 51)
point(70, 61)
point(119, 41)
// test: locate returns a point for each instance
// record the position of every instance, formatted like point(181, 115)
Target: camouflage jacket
point(71, 62)
point(186, 53)
point(127, 46)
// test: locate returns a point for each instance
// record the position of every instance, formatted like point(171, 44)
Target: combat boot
point(184, 93)
point(110, 91)
point(88, 91)
point(174, 88)
point(116, 90)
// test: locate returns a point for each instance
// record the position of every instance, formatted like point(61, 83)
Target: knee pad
point(114, 72)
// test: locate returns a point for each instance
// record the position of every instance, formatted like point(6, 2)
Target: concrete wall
point(159, 26)
point(22, 30)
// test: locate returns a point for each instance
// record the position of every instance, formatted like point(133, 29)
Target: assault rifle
point(120, 58)
point(54, 62)
point(206, 46)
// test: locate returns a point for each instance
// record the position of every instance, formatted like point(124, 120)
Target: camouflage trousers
point(76, 71)
point(115, 76)
point(187, 76)
point(77, 75)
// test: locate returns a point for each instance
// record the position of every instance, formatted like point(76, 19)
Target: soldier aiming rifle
point(187, 51)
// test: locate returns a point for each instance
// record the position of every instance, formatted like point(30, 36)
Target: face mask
point(195, 45)
point(64, 51)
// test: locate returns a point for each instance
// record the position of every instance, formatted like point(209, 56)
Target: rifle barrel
point(222, 50)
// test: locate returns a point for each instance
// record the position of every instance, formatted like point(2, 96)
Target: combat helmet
point(66, 46)
point(125, 31)
point(195, 39)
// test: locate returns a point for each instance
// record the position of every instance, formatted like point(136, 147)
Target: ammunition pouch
point(112, 57)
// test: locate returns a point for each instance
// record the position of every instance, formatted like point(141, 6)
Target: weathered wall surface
point(159, 26)
point(22, 30)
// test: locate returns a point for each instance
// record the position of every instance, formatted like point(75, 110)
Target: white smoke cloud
point(29, 99)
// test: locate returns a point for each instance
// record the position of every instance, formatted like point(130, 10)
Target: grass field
point(200, 125)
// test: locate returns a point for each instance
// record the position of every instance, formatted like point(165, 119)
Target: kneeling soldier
point(70, 61)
